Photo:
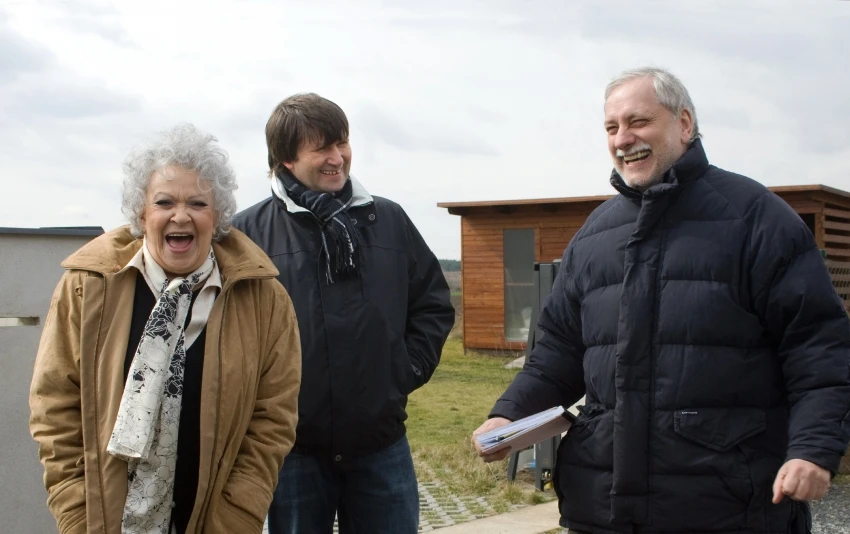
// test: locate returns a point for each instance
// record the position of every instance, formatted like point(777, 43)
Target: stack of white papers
point(526, 432)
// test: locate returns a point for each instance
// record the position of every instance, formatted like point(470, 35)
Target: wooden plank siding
point(837, 234)
point(483, 280)
point(836, 241)
point(555, 222)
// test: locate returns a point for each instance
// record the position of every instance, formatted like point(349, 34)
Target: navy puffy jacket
point(700, 320)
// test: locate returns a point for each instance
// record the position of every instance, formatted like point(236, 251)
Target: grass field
point(442, 416)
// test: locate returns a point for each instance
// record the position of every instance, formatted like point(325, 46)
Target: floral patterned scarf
point(145, 432)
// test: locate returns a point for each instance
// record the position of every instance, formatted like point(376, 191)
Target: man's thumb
point(777, 486)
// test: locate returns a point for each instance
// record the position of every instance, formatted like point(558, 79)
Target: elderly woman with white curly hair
point(164, 396)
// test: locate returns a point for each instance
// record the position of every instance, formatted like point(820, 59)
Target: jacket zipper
point(220, 380)
point(652, 357)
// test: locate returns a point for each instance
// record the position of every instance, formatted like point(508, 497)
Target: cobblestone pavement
point(830, 515)
point(438, 508)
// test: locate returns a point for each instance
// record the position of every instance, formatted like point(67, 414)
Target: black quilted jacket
point(700, 321)
point(366, 342)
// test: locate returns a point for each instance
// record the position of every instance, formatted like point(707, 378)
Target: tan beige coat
point(251, 379)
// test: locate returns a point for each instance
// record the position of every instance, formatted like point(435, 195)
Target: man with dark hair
point(373, 310)
point(696, 315)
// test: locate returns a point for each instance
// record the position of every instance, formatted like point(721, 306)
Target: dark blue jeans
point(375, 494)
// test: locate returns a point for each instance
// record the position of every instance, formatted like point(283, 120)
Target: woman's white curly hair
point(190, 149)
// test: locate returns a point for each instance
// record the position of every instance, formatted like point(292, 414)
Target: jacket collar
point(237, 256)
point(688, 168)
point(359, 195)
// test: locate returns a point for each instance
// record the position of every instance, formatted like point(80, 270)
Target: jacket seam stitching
point(781, 272)
point(729, 202)
point(696, 280)
point(597, 288)
point(96, 404)
point(609, 229)
point(596, 217)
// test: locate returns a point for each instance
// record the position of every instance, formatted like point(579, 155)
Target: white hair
point(190, 149)
point(671, 92)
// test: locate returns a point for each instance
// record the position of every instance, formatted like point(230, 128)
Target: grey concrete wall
point(29, 272)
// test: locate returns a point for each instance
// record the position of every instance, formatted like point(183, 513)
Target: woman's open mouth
point(179, 242)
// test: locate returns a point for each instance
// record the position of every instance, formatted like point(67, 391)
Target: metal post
point(545, 451)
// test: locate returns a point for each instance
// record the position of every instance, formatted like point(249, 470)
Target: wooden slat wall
point(553, 241)
point(836, 237)
point(837, 232)
point(802, 202)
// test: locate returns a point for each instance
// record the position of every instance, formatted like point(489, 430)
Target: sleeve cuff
point(507, 409)
point(821, 457)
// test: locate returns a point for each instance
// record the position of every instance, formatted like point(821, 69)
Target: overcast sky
point(448, 100)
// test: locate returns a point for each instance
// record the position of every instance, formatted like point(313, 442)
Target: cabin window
point(519, 282)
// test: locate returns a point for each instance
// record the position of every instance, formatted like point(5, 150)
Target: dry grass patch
point(443, 415)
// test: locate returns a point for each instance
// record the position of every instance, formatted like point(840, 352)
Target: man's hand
point(488, 425)
point(801, 480)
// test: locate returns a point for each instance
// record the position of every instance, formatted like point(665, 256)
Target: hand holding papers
point(526, 432)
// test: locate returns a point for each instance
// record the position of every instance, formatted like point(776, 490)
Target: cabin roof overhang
point(548, 204)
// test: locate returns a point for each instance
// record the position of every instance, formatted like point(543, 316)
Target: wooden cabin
point(501, 241)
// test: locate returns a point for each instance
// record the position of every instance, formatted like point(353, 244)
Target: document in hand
point(525, 432)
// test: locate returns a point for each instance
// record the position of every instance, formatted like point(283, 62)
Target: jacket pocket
point(80, 526)
point(719, 429)
point(590, 439)
point(801, 519)
point(587, 413)
point(404, 363)
point(68, 505)
point(722, 431)
point(585, 465)
point(405, 373)
point(229, 518)
point(240, 507)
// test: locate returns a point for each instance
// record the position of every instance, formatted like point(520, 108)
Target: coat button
point(416, 371)
point(371, 216)
point(338, 458)
point(353, 221)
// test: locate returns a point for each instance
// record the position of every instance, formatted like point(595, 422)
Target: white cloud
point(447, 100)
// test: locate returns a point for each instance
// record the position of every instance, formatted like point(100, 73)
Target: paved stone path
point(830, 515)
point(438, 508)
